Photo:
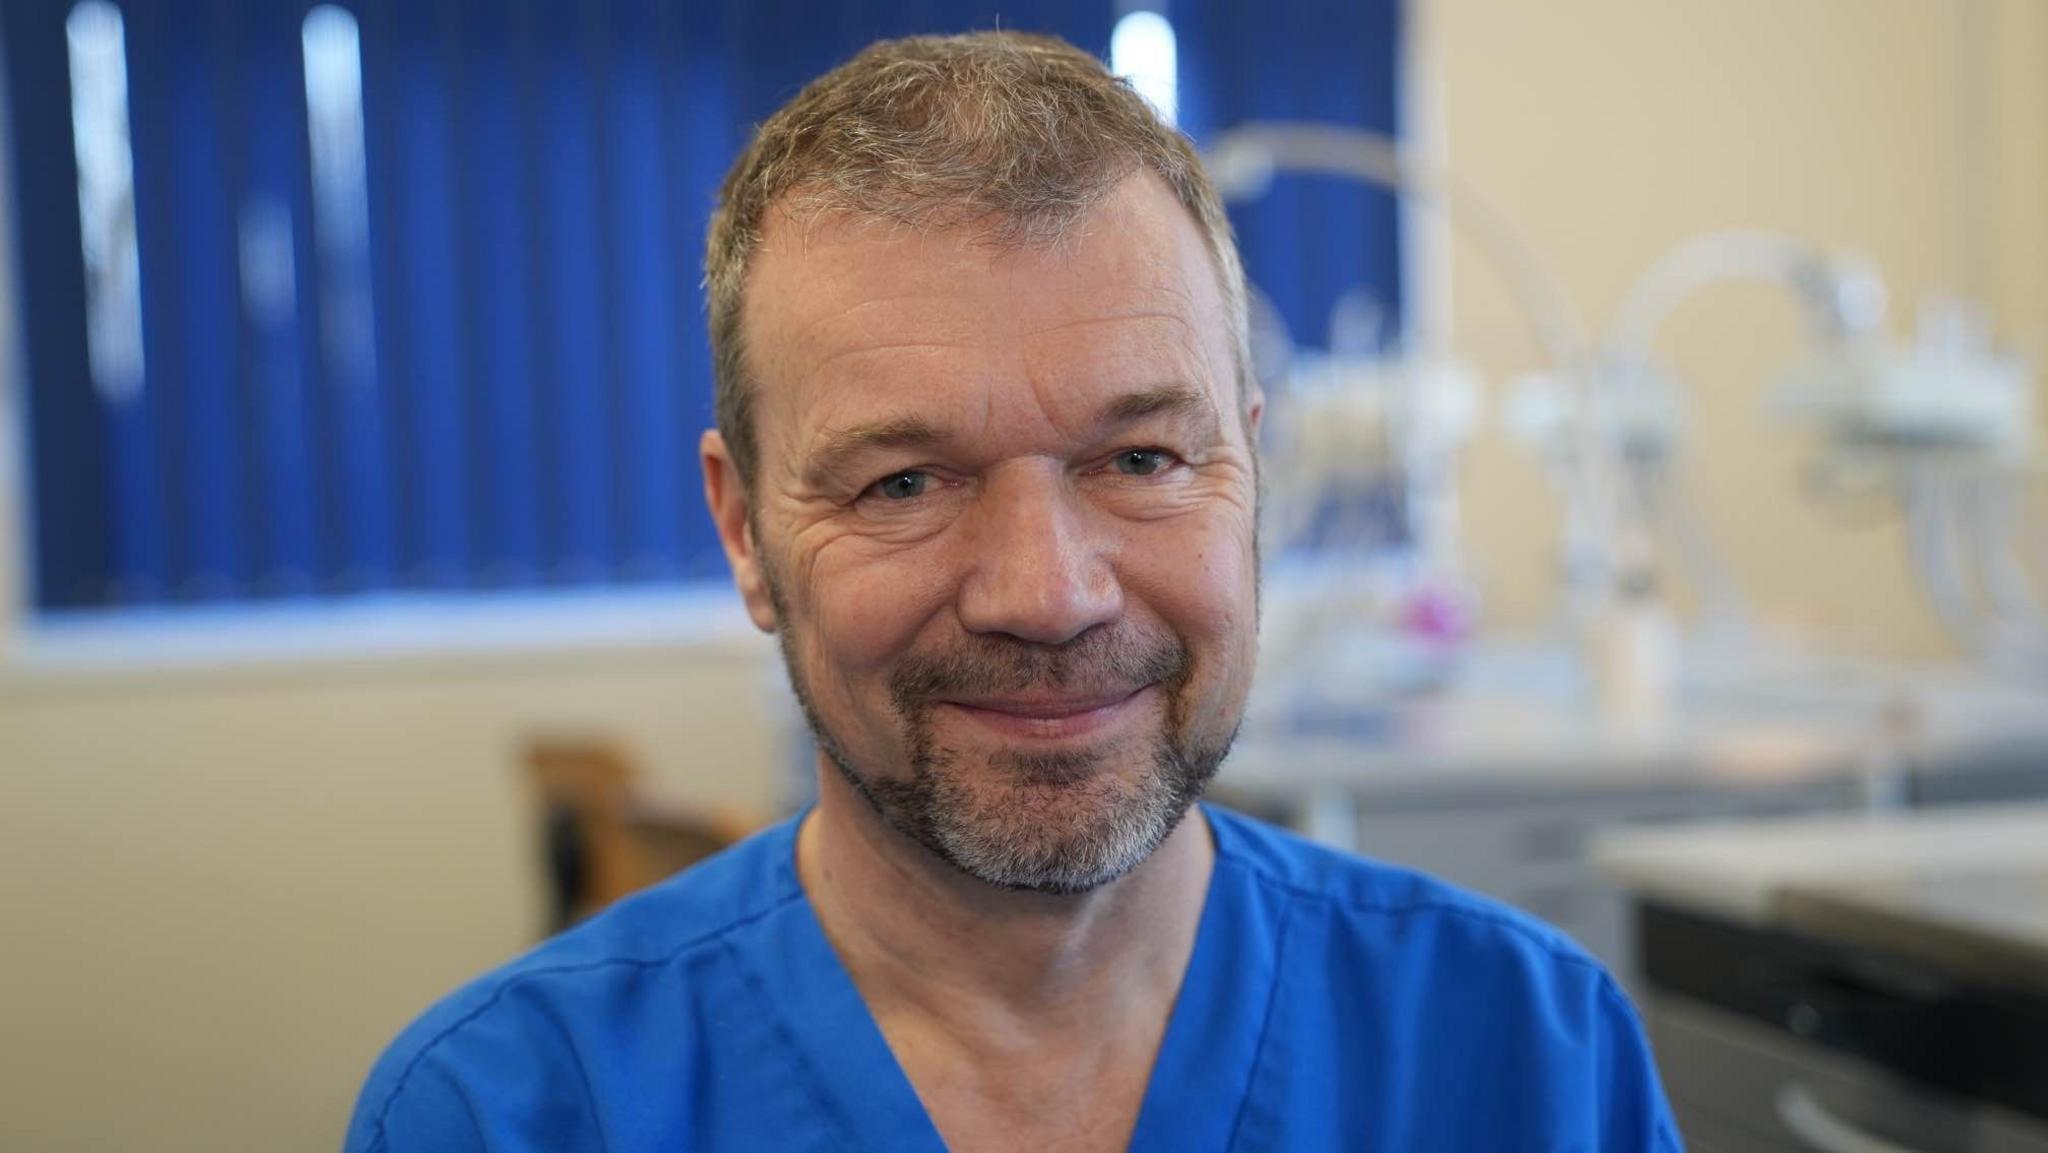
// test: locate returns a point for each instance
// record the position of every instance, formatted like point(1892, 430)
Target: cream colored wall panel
point(223, 896)
point(1606, 133)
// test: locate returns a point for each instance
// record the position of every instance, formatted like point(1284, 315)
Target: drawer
point(1489, 840)
point(1731, 1076)
point(1712, 1133)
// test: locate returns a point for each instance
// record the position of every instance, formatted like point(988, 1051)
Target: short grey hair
point(1021, 133)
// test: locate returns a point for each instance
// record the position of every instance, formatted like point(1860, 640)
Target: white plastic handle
point(1822, 1131)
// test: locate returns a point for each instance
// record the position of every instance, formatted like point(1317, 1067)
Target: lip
point(1049, 717)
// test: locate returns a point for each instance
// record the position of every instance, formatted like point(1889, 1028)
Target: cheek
point(1198, 578)
point(864, 611)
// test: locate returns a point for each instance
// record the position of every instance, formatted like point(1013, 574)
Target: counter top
point(1471, 740)
point(1519, 719)
point(1964, 889)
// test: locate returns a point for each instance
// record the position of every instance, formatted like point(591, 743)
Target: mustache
point(1100, 660)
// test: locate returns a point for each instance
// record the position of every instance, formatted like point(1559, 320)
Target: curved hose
point(1245, 159)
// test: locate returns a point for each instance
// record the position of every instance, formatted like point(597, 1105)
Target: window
point(1142, 50)
point(372, 298)
point(106, 199)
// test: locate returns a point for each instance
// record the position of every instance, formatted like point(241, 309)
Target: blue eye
point(903, 486)
point(1140, 461)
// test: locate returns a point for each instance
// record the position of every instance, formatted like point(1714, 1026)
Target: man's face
point(1003, 520)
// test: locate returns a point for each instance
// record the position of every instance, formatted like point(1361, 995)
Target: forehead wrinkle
point(852, 322)
point(826, 275)
point(835, 392)
point(818, 367)
point(927, 303)
point(1132, 365)
point(1070, 323)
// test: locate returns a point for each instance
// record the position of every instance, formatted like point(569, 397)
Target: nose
point(1038, 569)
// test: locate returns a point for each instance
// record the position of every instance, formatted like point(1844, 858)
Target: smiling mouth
point(1050, 717)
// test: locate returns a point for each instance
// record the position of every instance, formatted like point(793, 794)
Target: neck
point(919, 937)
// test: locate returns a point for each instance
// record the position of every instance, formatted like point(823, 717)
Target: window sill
point(430, 635)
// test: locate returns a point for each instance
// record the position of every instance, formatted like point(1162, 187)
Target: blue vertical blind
point(416, 281)
point(1312, 240)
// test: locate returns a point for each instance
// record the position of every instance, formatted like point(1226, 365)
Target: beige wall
point(222, 892)
point(1607, 131)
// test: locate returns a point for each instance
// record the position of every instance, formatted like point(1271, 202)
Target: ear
point(726, 492)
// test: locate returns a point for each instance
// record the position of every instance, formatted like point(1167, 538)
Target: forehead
point(861, 319)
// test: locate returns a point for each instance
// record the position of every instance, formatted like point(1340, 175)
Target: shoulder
point(1366, 933)
point(1452, 985)
point(521, 1019)
point(1373, 896)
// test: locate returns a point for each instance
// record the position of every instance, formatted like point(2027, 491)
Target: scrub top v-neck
point(1329, 1003)
point(1198, 1078)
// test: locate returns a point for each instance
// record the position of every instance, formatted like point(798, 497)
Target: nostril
point(1043, 599)
point(1038, 572)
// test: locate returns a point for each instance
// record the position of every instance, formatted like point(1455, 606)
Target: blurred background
point(1657, 537)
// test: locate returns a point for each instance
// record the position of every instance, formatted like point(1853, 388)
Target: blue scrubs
point(1331, 1003)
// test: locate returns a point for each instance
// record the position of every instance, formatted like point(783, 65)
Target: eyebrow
point(846, 446)
point(843, 447)
point(1171, 399)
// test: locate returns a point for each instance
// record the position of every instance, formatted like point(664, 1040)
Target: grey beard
point(1027, 835)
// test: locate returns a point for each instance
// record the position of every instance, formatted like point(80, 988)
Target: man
point(984, 464)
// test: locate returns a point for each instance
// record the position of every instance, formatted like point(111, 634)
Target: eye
point(1141, 461)
point(903, 485)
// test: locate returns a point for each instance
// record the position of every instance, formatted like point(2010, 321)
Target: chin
point(1063, 823)
point(1035, 831)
